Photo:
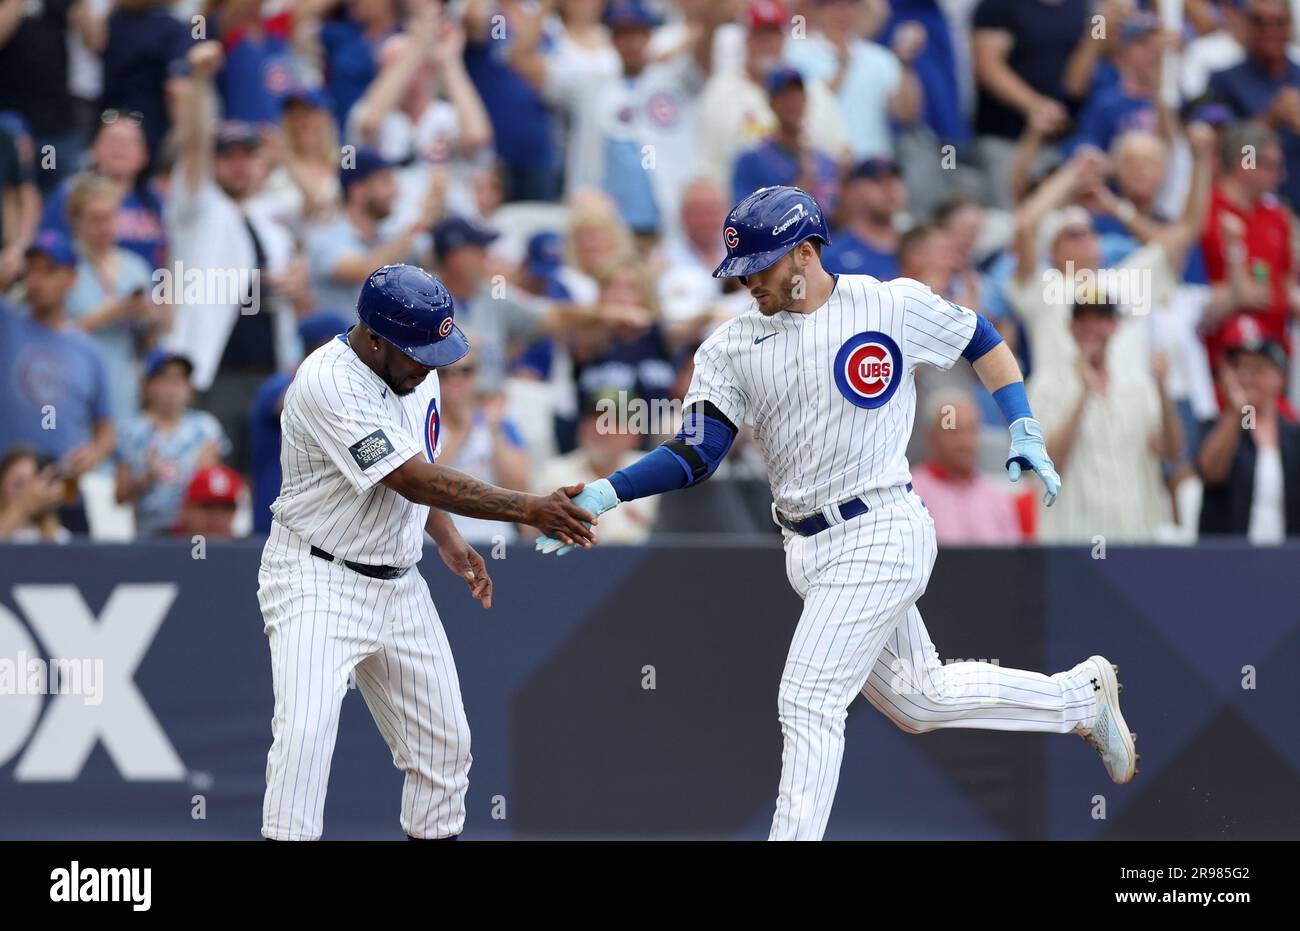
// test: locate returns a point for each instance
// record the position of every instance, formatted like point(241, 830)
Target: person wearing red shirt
point(1247, 241)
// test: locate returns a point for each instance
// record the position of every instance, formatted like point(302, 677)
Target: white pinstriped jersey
point(831, 394)
point(343, 431)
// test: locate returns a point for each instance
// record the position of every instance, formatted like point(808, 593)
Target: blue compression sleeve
point(985, 337)
point(687, 459)
point(1013, 402)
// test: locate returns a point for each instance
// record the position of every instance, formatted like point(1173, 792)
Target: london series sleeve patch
point(371, 449)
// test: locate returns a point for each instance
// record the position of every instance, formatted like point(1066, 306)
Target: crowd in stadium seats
point(194, 191)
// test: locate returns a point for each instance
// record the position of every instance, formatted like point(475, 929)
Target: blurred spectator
point(784, 157)
point(264, 436)
point(163, 446)
point(211, 499)
point(580, 48)
point(34, 74)
point(348, 45)
point(29, 498)
point(539, 274)
point(597, 235)
point(1247, 240)
point(259, 67)
point(634, 138)
point(1107, 425)
point(478, 439)
point(732, 111)
point(342, 254)
point(687, 287)
point(145, 66)
point(962, 218)
point(603, 448)
point(1266, 86)
point(505, 320)
point(967, 507)
point(864, 240)
point(926, 254)
point(1129, 103)
point(85, 64)
point(1217, 50)
point(1021, 49)
point(1249, 459)
point(523, 127)
point(240, 328)
point(118, 152)
point(55, 393)
point(113, 296)
point(933, 38)
point(873, 85)
point(302, 187)
point(636, 360)
point(20, 201)
point(1059, 259)
point(401, 116)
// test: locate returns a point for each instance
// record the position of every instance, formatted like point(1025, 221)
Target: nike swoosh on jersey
point(759, 339)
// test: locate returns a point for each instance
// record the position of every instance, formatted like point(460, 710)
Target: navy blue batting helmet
point(413, 310)
point(765, 226)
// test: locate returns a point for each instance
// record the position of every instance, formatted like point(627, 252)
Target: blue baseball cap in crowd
point(874, 168)
point(781, 77)
point(1137, 26)
point(233, 133)
point(365, 162)
point(55, 246)
point(321, 327)
point(157, 358)
point(621, 14)
point(314, 97)
point(545, 254)
point(456, 232)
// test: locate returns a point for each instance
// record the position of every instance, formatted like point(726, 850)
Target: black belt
point(817, 523)
point(386, 573)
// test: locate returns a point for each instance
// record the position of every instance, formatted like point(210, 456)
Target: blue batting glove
point(596, 498)
point(1028, 451)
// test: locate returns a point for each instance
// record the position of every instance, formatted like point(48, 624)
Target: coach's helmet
point(765, 226)
point(414, 311)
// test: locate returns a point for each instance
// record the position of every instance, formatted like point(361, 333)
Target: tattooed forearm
point(463, 494)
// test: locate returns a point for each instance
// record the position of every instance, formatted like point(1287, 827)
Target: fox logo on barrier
point(116, 713)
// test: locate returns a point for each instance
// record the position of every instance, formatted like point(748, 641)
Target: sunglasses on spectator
point(131, 116)
point(1076, 232)
point(1270, 22)
point(460, 370)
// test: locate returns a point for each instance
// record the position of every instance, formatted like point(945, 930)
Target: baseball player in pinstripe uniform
point(823, 372)
point(336, 587)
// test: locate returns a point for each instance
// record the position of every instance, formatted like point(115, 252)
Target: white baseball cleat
point(1109, 735)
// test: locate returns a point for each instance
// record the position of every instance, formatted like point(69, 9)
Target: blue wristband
point(1013, 402)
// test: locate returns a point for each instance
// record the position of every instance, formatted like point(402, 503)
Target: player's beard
point(399, 388)
point(785, 290)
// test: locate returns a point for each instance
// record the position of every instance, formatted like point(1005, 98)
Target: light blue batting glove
point(1029, 451)
point(596, 498)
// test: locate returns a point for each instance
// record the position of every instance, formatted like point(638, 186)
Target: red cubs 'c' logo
point(444, 328)
point(731, 237)
point(869, 370)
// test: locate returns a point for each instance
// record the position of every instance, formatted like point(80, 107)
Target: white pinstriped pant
point(325, 622)
point(860, 632)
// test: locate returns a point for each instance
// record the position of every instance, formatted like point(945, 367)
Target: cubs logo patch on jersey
point(868, 369)
point(432, 427)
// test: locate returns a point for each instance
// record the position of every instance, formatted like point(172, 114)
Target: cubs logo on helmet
point(765, 226)
point(414, 311)
point(868, 369)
